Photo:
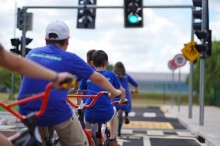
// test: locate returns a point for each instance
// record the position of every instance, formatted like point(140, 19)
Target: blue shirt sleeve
point(132, 81)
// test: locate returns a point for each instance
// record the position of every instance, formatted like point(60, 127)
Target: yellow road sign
point(190, 51)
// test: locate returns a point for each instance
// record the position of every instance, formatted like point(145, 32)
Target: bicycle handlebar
point(44, 95)
point(95, 98)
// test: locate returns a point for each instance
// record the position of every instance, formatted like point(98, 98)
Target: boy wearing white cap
point(59, 115)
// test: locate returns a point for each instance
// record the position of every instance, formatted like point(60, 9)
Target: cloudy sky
point(147, 49)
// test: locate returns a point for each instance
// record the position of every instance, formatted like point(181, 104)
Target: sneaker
point(113, 142)
point(127, 121)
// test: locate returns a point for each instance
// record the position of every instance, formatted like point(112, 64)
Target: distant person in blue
point(59, 116)
point(125, 80)
point(78, 79)
point(102, 111)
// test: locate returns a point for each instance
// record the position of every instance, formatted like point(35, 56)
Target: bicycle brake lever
point(67, 83)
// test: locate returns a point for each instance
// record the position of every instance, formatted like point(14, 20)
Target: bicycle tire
point(120, 121)
point(94, 140)
point(106, 143)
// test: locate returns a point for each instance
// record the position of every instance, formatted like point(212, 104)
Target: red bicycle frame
point(95, 98)
point(43, 95)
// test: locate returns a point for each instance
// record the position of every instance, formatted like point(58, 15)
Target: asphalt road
point(149, 126)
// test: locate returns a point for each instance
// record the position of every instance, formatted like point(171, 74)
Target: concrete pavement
point(210, 131)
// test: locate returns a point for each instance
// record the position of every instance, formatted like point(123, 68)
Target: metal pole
point(12, 73)
point(202, 63)
point(23, 38)
point(190, 94)
point(179, 93)
point(172, 88)
point(190, 90)
point(104, 7)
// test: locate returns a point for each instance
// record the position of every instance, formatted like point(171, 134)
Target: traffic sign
point(172, 65)
point(190, 51)
point(179, 60)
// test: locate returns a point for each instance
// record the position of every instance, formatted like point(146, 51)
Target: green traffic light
point(133, 19)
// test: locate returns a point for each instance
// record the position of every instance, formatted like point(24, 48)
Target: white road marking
point(155, 132)
point(147, 114)
point(146, 141)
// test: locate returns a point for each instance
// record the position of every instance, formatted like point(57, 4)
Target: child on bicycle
point(28, 68)
point(102, 111)
point(77, 79)
point(59, 116)
point(125, 79)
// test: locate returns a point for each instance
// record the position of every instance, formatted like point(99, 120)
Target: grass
point(4, 97)
point(159, 99)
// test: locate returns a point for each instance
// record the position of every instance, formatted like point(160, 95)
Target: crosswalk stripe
point(146, 141)
point(184, 134)
point(132, 114)
point(127, 131)
point(155, 132)
point(148, 114)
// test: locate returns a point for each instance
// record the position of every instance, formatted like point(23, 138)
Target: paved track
point(149, 126)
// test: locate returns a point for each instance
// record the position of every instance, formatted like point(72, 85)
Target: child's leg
point(127, 121)
point(114, 124)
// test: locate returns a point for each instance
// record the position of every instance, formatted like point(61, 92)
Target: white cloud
point(146, 49)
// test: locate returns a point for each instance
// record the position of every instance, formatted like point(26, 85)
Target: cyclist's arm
point(4, 141)
point(122, 100)
point(101, 81)
point(134, 83)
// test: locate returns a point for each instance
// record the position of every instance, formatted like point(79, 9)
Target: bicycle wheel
point(94, 140)
point(120, 121)
point(106, 143)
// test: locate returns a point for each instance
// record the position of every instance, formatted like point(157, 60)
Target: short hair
point(53, 35)
point(99, 58)
point(119, 68)
point(89, 55)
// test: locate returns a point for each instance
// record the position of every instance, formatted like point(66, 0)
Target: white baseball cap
point(59, 28)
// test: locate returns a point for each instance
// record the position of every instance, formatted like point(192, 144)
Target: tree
point(212, 74)
point(5, 79)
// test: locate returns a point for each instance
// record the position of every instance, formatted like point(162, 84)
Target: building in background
point(161, 82)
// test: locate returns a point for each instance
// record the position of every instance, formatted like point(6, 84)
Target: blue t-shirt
point(102, 111)
point(125, 84)
point(58, 60)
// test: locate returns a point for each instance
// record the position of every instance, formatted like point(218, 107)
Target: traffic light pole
point(24, 30)
point(202, 62)
point(190, 94)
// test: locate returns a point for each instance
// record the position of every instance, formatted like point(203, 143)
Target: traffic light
point(133, 13)
point(206, 46)
point(197, 16)
point(200, 19)
point(86, 16)
point(20, 19)
point(15, 42)
point(27, 42)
